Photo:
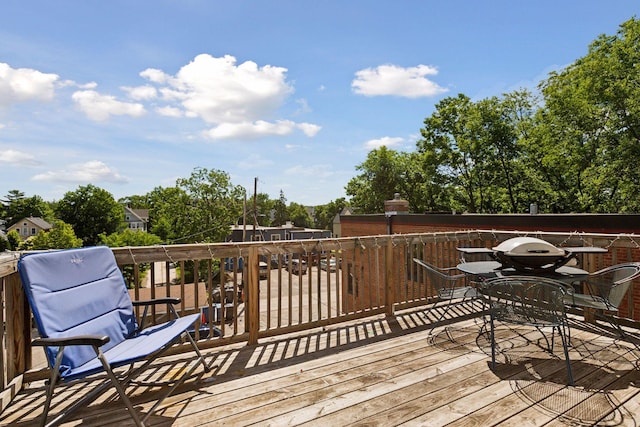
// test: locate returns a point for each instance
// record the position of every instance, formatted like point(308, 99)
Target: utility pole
point(255, 206)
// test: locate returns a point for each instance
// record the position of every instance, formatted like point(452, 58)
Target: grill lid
point(529, 247)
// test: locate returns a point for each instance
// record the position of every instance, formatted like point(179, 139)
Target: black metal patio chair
point(604, 291)
point(449, 285)
point(532, 301)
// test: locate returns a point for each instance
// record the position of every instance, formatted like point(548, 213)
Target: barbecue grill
point(530, 254)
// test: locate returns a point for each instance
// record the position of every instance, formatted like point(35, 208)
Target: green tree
point(61, 236)
point(13, 237)
point(91, 211)
point(200, 208)
point(4, 243)
point(324, 214)
point(472, 151)
point(16, 206)
point(381, 177)
point(136, 202)
point(280, 211)
point(592, 119)
point(129, 237)
point(299, 215)
point(164, 205)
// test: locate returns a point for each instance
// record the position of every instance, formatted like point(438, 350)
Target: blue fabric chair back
point(77, 292)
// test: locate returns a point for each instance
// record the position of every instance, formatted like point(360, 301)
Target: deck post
point(253, 283)
point(18, 328)
point(389, 268)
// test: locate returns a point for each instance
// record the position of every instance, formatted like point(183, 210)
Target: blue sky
point(131, 95)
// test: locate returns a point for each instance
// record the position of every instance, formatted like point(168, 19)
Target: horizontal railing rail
point(248, 291)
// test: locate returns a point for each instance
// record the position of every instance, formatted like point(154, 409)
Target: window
point(275, 237)
point(33, 231)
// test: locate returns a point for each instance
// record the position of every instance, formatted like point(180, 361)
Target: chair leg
point(493, 344)
point(91, 396)
point(441, 317)
point(613, 322)
point(197, 350)
point(565, 345)
point(53, 380)
point(118, 386)
point(182, 379)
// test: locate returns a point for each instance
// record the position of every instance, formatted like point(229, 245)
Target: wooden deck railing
point(254, 291)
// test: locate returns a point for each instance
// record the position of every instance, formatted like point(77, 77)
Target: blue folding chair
point(87, 323)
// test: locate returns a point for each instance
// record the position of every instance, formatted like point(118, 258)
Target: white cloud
point(239, 100)
point(155, 75)
point(260, 128)
point(397, 81)
point(169, 111)
point(219, 91)
point(309, 129)
point(100, 107)
point(141, 93)
point(82, 173)
point(24, 84)
point(17, 158)
point(387, 141)
point(304, 106)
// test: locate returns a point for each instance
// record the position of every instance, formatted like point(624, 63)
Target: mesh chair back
point(447, 286)
point(612, 283)
point(527, 300)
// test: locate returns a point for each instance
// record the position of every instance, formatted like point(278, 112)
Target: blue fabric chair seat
point(149, 341)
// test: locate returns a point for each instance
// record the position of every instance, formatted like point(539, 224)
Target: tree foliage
point(200, 208)
point(16, 207)
point(129, 237)
point(61, 236)
point(573, 147)
point(299, 215)
point(592, 118)
point(91, 211)
point(280, 211)
point(325, 214)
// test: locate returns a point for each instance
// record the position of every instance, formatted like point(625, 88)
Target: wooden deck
point(384, 372)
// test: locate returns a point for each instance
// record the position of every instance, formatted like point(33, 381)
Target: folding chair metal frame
point(97, 330)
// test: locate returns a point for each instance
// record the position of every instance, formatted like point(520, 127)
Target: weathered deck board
point(383, 372)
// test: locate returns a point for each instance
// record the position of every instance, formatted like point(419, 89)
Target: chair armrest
point(95, 340)
point(156, 301)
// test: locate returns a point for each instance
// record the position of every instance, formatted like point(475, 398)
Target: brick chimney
point(396, 206)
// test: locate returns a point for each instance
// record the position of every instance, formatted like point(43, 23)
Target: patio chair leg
point(493, 345)
point(565, 345)
point(182, 379)
point(53, 380)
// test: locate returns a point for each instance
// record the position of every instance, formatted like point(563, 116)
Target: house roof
point(35, 220)
point(141, 214)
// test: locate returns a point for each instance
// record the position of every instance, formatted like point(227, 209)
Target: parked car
point(329, 264)
point(264, 269)
point(298, 266)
